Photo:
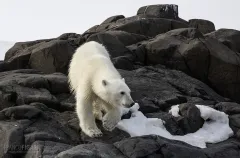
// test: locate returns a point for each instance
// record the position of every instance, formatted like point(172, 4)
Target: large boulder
point(175, 88)
point(48, 55)
point(46, 149)
point(204, 26)
point(228, 37)
point(151, 27)
point(18, 56)
point(140, 24)
point(169, 11)
point(154, 146)
point(21, 87)
point(188, 50)
point(51, 57)
point(113, 19)
point(92, 150)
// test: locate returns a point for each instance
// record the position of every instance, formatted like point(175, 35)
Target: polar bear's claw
point(93, 133)
point(109, 124)
point(108, 127)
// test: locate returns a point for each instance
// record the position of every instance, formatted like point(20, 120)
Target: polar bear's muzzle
point(129, 105)
point(132, 104)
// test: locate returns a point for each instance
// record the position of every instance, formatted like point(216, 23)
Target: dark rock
point(191, 121)
point(108, 137)
point(46, 149)
point(39, 126)
point(58, 83)
point(126, 116)
point(55, 55)
point(204, 26)
point(20, 112)
point(3, 66)
point(20, 87)
point(175, 50)
point(203, 58)
point(171, 122)
point(228, 37)
point(164, 87)
point(140, 24)
point(28, 95)
point(67, 36)
point(18, 56)
point(223, 69)
point(113, 19)
point(185, 32)
point(126, 38)
point(112, 44)
point(12, 138)
point(160, 11)
point(234, 122)
point(229, 108)
point(123, 62)
point(48, 55)
point(147, 105)
point(24, 125)
point(151, 27)
point(67, 101)
point(200, 101)
point(115, 42)
point(154, 146)
point(139, 51)
point(100, 150)
point(229, 148)
point(238, 134)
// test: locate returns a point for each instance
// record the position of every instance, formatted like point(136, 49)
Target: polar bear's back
point(85, 60)
point(89, 49)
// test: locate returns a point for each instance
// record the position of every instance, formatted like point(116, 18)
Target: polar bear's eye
point(122, 93)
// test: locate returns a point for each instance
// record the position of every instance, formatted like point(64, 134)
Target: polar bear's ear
point(123, 79)
point(104, 82)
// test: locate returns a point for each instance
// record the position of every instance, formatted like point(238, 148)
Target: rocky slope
point(165, 61)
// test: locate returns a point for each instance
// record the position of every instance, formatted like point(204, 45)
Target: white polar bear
point(96, 82)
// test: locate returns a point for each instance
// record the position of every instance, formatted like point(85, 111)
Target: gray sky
point(24, 20)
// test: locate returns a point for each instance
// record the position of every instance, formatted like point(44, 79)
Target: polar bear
point(96, 82)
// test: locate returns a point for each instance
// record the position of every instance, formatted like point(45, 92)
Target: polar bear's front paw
point(93, 132)
point(110, 124)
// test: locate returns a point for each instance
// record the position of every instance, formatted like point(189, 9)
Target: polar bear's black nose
point(131, 104)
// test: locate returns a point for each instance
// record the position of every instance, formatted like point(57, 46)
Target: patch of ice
point(139, 125)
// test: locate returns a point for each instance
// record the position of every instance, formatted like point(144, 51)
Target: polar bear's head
point(117, 93)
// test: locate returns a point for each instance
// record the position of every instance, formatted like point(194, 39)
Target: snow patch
point(213, 131)
point(174, 110)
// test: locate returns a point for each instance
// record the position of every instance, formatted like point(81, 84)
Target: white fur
point(96, 82)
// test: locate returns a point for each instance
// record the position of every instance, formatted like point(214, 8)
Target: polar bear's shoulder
point(92, 48)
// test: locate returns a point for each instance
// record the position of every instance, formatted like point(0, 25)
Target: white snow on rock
point(213, 131)
point(174, 110)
